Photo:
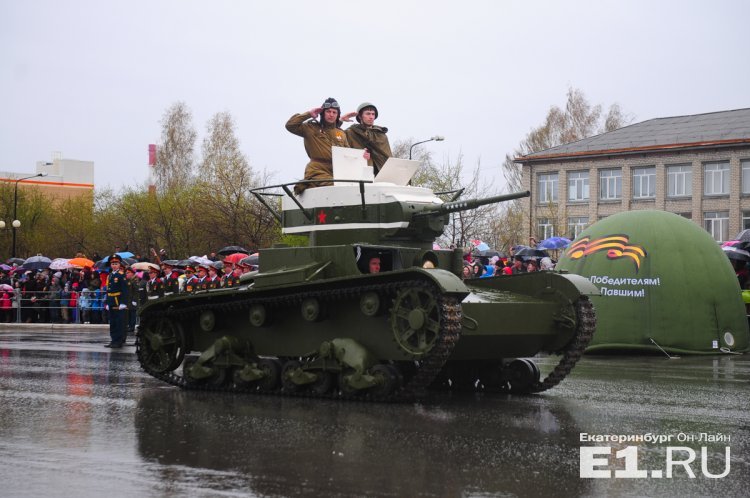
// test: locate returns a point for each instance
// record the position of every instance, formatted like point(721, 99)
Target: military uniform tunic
point(318, 142)
point(372, 138)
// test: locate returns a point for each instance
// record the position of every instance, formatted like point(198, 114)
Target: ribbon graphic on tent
point(617, 246)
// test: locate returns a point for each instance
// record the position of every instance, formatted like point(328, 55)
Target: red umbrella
point(234, 258)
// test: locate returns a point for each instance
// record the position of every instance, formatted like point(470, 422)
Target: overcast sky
point(92, 79)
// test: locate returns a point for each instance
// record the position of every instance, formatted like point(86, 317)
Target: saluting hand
point(315, 111)
point(348, 116)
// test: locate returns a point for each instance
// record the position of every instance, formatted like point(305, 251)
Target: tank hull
point(323, 329)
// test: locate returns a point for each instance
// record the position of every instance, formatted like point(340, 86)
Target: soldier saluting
point(369, 136)
point(319, 137)
point(117, 299)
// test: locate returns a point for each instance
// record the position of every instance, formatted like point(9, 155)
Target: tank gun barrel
point(463, 205)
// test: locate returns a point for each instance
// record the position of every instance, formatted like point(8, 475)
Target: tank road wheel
point(286, 376)
point(272, 368)
point(323, 384)
point(388, 378)
point(415, 320)
point(161, 345)
point(522, 375)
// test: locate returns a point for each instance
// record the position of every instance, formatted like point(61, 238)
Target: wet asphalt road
point(78, 420)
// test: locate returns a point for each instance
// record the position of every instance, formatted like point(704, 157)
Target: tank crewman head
point(367, 113)
point(374, 264)
point(330, 113)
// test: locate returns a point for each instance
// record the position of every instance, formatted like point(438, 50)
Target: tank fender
point(539, 284)
point(445, 280)
point(579, 286)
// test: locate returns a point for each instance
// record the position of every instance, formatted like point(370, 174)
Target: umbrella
point(128, 261)
point(5, 267)
point(224, 251)
point(251, 260)
point(479, 245)
point(736, 253)
point(15, 261)
point(37, 262)
point(235, 257)
point(731, 243)
point(60, 264)
point(743, 236)
point(554, 243)
point(201, 260)
point(6, 288)
point(144, 265)
point(81, 262)
point(123, 254)
point(530, 252)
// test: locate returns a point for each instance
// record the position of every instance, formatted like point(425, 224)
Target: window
point(745, 220)
point(610, 184)
point(679, 180)
point(576, 224)
point(716, 178)
point(717, 224)
point(545, 228)
point(745, 165)
point(548, 187)
point(578, 186)
point(644, 182)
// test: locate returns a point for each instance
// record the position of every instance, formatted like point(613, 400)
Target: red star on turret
point(321, 217)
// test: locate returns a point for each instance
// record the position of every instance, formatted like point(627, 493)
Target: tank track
point(427, 368)
point(575, 348)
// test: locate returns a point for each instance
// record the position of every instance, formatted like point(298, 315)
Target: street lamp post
point(15, 224)
point(436, 138)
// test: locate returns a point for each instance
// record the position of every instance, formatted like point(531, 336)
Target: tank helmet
point(364, 106)
point(329, 103)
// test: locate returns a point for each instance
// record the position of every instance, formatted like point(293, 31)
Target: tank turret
point(372, 213)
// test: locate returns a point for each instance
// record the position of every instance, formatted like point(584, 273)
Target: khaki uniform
point(318, 143)
point(372, 138)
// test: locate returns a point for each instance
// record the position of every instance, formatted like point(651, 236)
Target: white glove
point(134, 303)
point(122, 307)
point(106, 307)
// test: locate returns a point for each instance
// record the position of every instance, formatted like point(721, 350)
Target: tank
point(313, 321)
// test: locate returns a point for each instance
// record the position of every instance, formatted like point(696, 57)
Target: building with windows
point(63, 178)
point(696, 166)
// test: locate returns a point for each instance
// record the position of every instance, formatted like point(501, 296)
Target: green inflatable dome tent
point(661, 277)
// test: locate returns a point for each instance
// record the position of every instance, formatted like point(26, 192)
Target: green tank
point(313, 321)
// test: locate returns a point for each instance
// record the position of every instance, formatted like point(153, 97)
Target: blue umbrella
point(554, 243)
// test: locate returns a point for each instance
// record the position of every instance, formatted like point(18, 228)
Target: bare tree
point(577, 121)
point(174, 157)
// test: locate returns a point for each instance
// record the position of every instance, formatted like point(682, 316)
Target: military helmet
point(362, 107)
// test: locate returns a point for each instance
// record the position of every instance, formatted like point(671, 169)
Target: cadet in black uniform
point(117, 302)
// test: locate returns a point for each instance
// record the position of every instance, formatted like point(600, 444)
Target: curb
point(59, 327)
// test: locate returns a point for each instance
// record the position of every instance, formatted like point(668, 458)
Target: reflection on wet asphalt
point(79, 420)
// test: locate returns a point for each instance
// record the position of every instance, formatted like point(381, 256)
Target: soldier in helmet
point(319, 137)
point(117, 302)
point(367, 135)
